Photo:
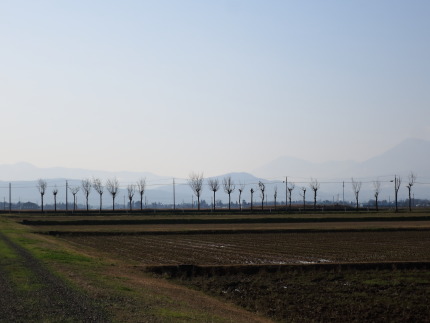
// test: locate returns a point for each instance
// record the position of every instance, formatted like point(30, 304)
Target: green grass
point(21, 277)
point(61, 256)
point(178, 315)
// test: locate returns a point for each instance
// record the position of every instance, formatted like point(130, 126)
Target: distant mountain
point(299, 168)
point(28, 172)
point(410, 155)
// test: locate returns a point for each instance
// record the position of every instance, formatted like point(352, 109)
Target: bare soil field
point(228, 227)
point(262, 248)
point(307, 294)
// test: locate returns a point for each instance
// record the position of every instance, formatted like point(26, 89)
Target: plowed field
point(262, 248)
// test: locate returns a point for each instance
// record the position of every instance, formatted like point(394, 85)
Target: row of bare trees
point(196, 183)
point(111, 185)
point(356, 187)
point(397, 184)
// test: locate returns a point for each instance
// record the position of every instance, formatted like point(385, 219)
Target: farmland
point(315, 267)
point(262, 248)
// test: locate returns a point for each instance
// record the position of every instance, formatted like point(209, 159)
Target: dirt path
point(49, 299)
point(10, 304)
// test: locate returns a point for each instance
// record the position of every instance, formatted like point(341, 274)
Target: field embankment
point(31, 292)
point(291, 267)
point(115, 287)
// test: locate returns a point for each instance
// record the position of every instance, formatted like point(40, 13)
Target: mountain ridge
point(410, 155)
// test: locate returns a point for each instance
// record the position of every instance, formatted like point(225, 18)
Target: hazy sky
point(214, 86)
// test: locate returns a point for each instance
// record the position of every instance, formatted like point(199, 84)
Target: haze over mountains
point(410, 155)
point(27, 172)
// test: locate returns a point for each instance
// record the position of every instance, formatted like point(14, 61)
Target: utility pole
point(10, 197)
point(286, 193)
point(343, 192)
point(67, 201)
point(174, 197)
point(395, 190)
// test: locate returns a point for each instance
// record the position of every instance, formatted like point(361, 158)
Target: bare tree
point(98, 186)
point(377, 190)
point(196, 183)
point(112, 185)
point(304, 197)
point(397, 182)
point(74, 191)
point(240, 189)
point(275, 194)
point(141, 184)
point(86, 188)
point(356, 187)
point(262, 187)
point(411, 181)
point(41, 186)
point(291, 187)
point(130, 192)
point(252, 194)
point(229, 187)
point(214, 186)
point(315, 186)
point(55, 192)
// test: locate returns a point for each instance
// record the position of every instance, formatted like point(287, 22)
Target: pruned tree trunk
point(214, 200)
point(315, 200)
point(252, 193)
point(410, 201)
point(376, 203)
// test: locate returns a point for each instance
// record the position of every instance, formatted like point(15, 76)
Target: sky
point(173, 87)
